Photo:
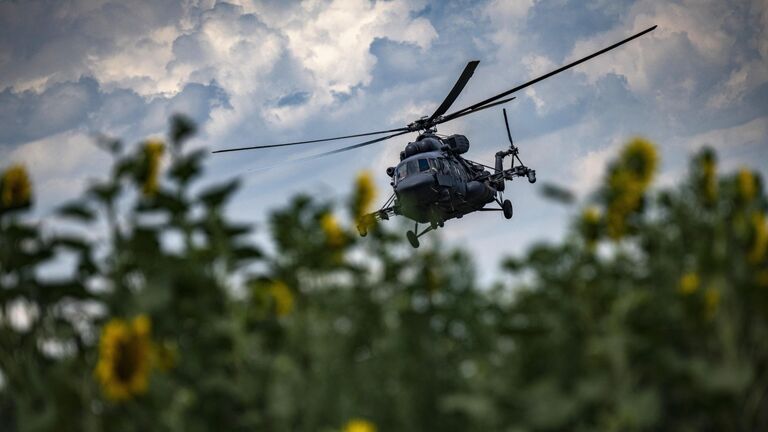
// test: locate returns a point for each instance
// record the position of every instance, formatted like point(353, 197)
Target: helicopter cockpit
point(414, 166)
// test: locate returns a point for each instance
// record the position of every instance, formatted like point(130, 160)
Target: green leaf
point(78, 211)
point(187, 167)
point(182, 128)
point(216, 195)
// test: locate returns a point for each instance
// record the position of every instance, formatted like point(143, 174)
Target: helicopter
point(434, 182)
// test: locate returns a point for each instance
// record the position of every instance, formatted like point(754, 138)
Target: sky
point(260, 72)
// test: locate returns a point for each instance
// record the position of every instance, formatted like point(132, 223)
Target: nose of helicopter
point(417, 189)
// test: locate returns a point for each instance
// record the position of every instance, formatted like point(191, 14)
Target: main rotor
point(427, 124)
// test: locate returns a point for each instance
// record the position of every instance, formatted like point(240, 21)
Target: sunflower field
point(651, 314)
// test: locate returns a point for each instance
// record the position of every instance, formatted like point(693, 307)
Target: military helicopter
point(433, 182)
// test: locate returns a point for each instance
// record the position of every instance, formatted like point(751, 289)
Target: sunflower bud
point(282, 298)
point(589, 225)
point(15, 188)
point(746, 185)
point(759, 238)
point(628, 179)
point(334, 235)
point(359, 425)
point(689, 283)
point(153, 152)
point(363, 195)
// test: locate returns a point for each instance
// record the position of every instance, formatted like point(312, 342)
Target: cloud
point(60, 165)
point(588, 170)
point(84, 105)
point(28, 116)
point(51, 41)
point(694, 46)
point(750, 134)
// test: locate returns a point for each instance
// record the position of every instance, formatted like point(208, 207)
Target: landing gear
point(506, 207)
point(413, 236)
point(413, 239)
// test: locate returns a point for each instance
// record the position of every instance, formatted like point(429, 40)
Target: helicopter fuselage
point(432, 183)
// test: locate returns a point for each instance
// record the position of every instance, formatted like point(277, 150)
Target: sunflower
point(589, 224)
point(125, 357)
point(359, 425)
point(628, 180)
point(689, 283)
point(639, 156)
point(364, 195)
point(759, 242)
point(746, 184)
point(153, 153)
point(15, 187)
point(333, 233)
point(282, 298)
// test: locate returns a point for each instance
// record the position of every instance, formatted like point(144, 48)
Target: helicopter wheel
point(413, 239)
point(506, 207)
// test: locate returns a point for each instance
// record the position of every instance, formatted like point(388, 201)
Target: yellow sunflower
point(590, 225)
point(628, 180)
point(759, 243)
point(747, 185)
point(359, 425)
point(640, 157)
point(125, 357)
point(16, 187)
point(153, 153)
point(282, 297)
point(364, 195)
point(333, 233)
point(689, 283)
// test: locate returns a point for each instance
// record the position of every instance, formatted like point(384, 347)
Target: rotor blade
point(469, 69)
point(354, 146)
point(309, 141)
point(554, 72)
point(458, 114)
point(343, 149)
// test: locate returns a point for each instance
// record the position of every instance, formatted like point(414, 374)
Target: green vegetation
point(651, 315)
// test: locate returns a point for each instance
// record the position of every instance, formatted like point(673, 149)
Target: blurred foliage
point(652, 314)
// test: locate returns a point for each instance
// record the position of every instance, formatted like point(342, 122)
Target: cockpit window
point(400, 173)
point(414, 167)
